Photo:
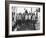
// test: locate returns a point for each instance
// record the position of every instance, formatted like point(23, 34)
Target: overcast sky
point(22, 10)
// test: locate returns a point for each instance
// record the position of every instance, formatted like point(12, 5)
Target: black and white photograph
point(25, 18)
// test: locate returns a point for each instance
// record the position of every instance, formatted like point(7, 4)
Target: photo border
point(7, 18)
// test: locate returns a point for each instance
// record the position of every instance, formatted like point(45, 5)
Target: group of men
point(25, 21)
